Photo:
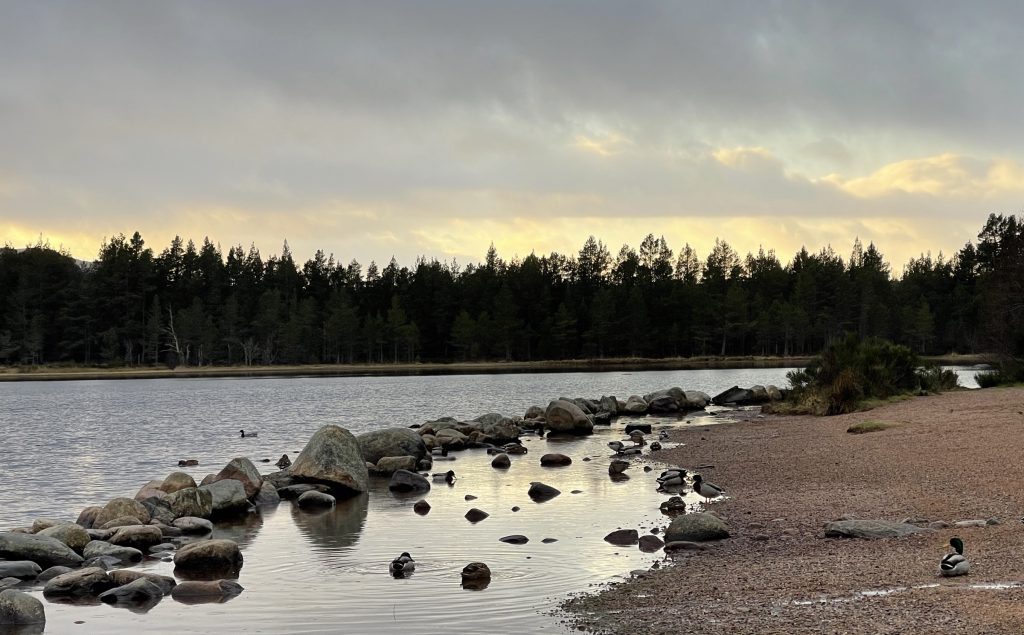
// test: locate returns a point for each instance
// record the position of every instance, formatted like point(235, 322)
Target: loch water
point(72, 444)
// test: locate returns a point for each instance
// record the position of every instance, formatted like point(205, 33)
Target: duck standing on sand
point(954, 564)
point(402, 565)
point(705, 489)
point(246, 435)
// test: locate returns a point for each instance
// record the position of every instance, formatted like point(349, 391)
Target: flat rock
point(137, 591)
point(99, 548)
point(43, 550)
point(84, 582)
point(623, 537)
point(291, 492)
point(515, 539)
point(194, 592)
point(684, 545)
point(192, 526)
point(555, 459)
point(21, 569)
point(20, 609)
point(870, 529)
point(697, 527)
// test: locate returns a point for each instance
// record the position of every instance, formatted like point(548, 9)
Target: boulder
point(623, 537)
point(227, 496)
point(696, 400)
point(8, 583)
point(602, 418)
point(406, 481)
point(100, 534)
point(698, 527)
point(391, 442)
point(52, 573)
point(40, 524)
point(88, 581)
point(501, 462)
point(567, 418)
point(555, 459)
point(140, 591)
point(21, 569)
point(20, 609)
point(87, 518)
point(43, 550)
point(870, 529)
point(421, 507)
point(664, 401)
point(126, 576)
point(191, 501)
point(476, 574)
point(192, 526)
point(635, 406)
point(242, 470)
point(150, 490)
point(177, 481)
point(267, 496)
point(70, 534)
point(291, 492)
point(315, 499)
point(388, 465)
point(140, 537)
point(101, 549)
point(650, 544)
point(159, 510)
point(333, 457)
point(218, 555)
point(609, 405)
point(194, 591)
point(121, 521)
point(534, 412)
point(740, 396)
point(119, 508)
point(104, 562)
point(476, 515)
point(617, 466)
point(451, 438)
point(539, 492)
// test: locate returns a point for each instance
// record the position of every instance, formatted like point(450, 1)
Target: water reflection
point(334, 529)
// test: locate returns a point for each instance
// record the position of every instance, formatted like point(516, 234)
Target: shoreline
point(949, 457)
point(59, 373)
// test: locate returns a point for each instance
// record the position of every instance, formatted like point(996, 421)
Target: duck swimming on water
point(248, 434)
point(402, 565)
point(446, 477)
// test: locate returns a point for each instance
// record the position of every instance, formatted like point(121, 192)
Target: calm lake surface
point(72, 444)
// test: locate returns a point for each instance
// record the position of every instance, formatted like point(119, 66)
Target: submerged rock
point(555, 459)
point(315, 499)
point(476, 575)
point(515, 539)
point(139, 591)
point(406, 481)
point(197, 592)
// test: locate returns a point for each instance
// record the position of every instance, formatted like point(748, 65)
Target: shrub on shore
point(852, 372)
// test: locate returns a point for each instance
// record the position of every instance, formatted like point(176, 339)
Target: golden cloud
point(945, 175)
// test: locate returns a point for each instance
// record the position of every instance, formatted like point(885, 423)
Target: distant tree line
point(195, 305)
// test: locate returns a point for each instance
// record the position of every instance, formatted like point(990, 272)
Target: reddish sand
point(951, 457)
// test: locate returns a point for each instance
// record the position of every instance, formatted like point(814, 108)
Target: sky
point(436, 128)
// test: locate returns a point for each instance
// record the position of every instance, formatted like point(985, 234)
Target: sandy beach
point(951, 457)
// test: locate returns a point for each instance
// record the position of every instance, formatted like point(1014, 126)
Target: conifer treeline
point(196, 306)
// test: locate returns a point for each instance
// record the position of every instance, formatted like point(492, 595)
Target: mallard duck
point(662, 435)
point(616, 446)
point(672, 472)
point(402, 565)
point(705, 489)
point(446, 477)
point(248, 434)
point(955, 563)
point(629, 451)
point(672, 478)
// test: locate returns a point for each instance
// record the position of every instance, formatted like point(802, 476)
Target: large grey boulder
point(21, 569)
point(120, 507)
point(20, 609)
point(566, 417)
point(635, 406)
point(740, 396)
point(698, 527)
point(87, 518)
point(696, 399)
point(140, 591)
point(176, 481)
point(242, 470)
point(609, 404)
point(100, 549)
point(192, 526)
point(332, 456)
point(667, 400)
point(140, 537)
point(267, 496)
point(870, 529)
point(191, 501)
point(406, 481)
point(43, 550)
point(209, 555)
point(388, 465)
point(227, 496)
point(70, 534)
point(378, 444)
point(88, 581)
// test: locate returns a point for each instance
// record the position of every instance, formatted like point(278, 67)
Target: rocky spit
point(171, 518)
point(797, 486)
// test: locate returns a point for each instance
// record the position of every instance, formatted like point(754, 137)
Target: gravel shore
point(950, 457)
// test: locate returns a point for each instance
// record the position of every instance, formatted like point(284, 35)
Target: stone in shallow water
point(137, 591)
point(209, 555)
point(333, 457)
point(501, 462)
point(623, 537)
point(20, 609)
point(650, 544)
point(476, 515)
point(84, 582)
point(21, 569)
point(314, 499)
point(515, 539)
point(421, 507)
point(200, 592)
point(555, 459)
point(540, 492)
point(44, 551)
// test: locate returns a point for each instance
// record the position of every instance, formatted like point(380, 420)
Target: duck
point(705, 489)
point(662, 435)
point(954, 564)
point(446, 477)
point(672, 478)
point(629, 451)
point(673, 472)
point(616, 446)
point(402, 565)
point(246, 435)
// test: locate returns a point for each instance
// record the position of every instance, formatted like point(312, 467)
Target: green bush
point(851, 371)
point(989, 379)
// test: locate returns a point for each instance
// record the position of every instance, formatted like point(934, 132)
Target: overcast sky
point(436, 128)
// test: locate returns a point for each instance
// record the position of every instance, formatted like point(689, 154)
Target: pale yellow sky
point(405, 129)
